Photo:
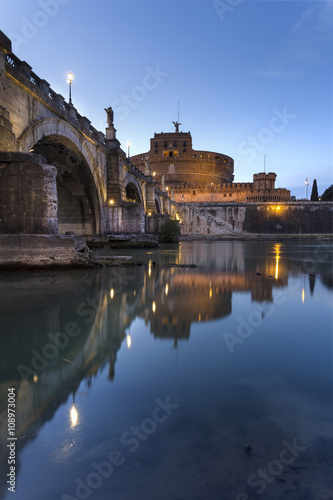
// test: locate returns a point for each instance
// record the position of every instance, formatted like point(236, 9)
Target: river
point(168, 382)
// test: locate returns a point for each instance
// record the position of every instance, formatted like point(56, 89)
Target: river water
point(167, 383)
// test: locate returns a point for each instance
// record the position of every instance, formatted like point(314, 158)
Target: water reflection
point(64, 328)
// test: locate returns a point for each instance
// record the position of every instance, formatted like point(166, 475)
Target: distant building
point(201, 176)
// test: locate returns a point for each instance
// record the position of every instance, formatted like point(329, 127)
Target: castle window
point(194, 156)
point(165, 154)
point(184, 150)
point(165, 144)
point(184, 144)
point(156, 144)
point(230, 194)
point(156, 151)
point(170, 154)
point(175, 153)
point(175, 144)
point(193, 192)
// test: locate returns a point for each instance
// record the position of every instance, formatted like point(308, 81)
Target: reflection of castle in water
point(103, 304)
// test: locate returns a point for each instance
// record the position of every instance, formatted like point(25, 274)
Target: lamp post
point(128, 148)
point(306, 187)
point(211, 192)
point(70, 79)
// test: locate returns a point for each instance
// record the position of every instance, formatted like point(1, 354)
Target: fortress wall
point(289, 217)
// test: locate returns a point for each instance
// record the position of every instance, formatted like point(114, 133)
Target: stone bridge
point(59, 175)
point(98, 191)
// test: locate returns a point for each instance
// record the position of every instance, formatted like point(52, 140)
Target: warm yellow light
point(154, 173)
point(167, 188)
point(278, 208)
point(111, 202)
point(70, 77)
point(199, 317)
point(277, 259)
point(166, 289)
point(210, 293)
point(112, 293)
point(129, 341)
point(303, 295)
point(149, 268)
point(74, 416)
point(153, 307)
point(149, 214)
point(35, 378)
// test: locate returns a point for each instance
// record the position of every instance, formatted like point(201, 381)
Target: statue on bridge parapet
point(109, 112)
point(147, 166)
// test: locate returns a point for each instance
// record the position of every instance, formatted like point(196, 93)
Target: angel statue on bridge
point(109, 112)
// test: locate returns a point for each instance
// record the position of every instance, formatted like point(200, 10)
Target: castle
point(192, 176)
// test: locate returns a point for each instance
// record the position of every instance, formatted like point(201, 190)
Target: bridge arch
point(80, 188)
point(133, 190)
point(158, 207)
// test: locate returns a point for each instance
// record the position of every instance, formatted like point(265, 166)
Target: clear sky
point(252, 78)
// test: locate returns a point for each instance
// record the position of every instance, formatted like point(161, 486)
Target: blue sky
point(253, 78)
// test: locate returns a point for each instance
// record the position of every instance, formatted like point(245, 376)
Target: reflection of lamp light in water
point(210, 293)
point(166, 289)
point(277, 258)
point(153, 307)
point(112, 293)
point(128, 340)
point(74, 416)
point(149, 268)
point(303, 295)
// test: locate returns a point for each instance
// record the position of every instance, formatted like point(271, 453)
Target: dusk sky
point(252, 78)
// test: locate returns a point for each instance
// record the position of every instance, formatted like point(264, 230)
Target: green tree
point(314, 193)
point(327, 194)
point(169, 231)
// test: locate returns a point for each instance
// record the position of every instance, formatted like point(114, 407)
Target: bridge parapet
point(22, 72)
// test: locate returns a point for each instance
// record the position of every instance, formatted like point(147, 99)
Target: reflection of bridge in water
point(99, 307)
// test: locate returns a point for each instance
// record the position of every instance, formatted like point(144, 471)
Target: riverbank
point(258, 237)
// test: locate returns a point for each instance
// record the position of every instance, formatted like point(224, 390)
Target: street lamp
point(128, 148)
point(211, 191)
point(306, 187)
point(70, 79)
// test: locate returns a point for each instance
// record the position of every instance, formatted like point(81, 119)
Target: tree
point(327, 194)
point(314, 193)
point(169, 231)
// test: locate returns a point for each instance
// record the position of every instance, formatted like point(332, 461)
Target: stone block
point(31, 250)
point(28, 195)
